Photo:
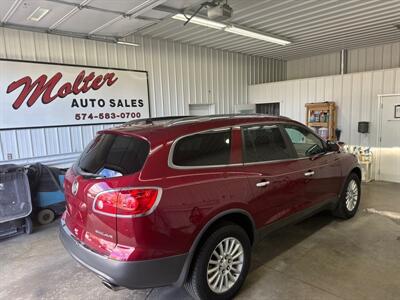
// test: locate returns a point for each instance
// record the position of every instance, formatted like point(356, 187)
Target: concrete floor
point(320, 258)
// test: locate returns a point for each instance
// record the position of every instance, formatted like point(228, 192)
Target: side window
point(305, 142)
point(203, 149)
point(264, 143)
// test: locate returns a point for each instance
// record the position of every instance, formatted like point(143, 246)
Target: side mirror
point(332, 146)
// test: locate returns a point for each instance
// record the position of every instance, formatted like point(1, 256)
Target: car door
point(320, 168)
point(270, 166)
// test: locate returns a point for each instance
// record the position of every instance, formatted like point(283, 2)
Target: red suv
point(182, 200)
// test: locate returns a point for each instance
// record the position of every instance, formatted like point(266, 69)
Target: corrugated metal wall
point(359, 60)
point(320, 65)
point(374, 58)
point(356, 96)
point(179, 74)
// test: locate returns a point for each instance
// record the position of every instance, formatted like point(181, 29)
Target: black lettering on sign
point(74, 103)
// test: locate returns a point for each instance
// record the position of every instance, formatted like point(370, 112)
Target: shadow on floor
point(280, 241)
point(274, 245)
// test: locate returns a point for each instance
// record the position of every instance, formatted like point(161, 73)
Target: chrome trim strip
point(274, 161)
point(283, 160)
point(151, 210)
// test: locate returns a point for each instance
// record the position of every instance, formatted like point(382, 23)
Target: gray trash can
point(15, 201)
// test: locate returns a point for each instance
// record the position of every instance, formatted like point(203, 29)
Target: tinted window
point(122, 154)
point(304, 141)
point(264, 143)
point(206, 149)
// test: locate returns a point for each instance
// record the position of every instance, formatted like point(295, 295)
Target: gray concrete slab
point(320, 258)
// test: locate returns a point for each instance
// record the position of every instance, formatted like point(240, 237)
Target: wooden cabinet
point(322, 117)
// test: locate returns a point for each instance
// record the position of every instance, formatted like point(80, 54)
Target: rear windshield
point(113, 154)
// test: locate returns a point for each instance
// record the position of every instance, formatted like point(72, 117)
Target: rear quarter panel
point(190, 198)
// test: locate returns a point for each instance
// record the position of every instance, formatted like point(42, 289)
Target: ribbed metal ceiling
point(314, 26)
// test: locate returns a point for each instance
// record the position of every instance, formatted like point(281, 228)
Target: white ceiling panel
point(74, 1)
point(180, 4)
point(156, 14)
point(85, 21)
point(5, 7)
point(123, 27)
point(27, 7)
point(117, 5)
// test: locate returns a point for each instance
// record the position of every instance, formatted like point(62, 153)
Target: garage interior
point(270, 56)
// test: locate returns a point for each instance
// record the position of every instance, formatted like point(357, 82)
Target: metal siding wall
point(359, 60)
point(356, 97)
point(320, 65)
point(179, 74)
point(374, 58)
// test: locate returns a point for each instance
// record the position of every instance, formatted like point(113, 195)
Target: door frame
point(381, 97)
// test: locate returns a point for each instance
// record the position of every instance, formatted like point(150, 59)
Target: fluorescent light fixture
point(38, 14)
point(128, 43)
point(256, 35)
point(233, 29)
point(200, 21)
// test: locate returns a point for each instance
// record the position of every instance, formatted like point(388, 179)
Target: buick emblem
point(75, 187)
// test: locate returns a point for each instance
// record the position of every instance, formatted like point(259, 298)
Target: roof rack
point(180, 120)
point(151, 121)
point(191, 119)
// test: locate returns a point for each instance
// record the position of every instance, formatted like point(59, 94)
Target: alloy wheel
point(225, 265)
point(351, 195)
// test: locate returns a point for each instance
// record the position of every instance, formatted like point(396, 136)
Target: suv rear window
point(122, 154)
point(203, 149)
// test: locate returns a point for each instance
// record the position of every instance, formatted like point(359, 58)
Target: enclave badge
point(75, 187)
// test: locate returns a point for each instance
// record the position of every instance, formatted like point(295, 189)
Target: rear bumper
point(132, 275)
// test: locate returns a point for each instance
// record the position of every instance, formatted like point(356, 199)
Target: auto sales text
point(93, 102)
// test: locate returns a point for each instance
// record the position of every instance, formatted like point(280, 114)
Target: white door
point(201, 109)
point(245, 109)
point(389, 139)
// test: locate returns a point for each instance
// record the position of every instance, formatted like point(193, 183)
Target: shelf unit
point(322, 115)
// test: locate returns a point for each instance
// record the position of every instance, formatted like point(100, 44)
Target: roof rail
point(152, 120)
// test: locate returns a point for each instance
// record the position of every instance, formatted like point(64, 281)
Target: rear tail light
point(127, 203)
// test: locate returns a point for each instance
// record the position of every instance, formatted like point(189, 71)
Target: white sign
point(42, 95)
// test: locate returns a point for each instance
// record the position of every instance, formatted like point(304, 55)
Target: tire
point(347, 205)
point(45, 216)
point(231, 236)
point(28, 226)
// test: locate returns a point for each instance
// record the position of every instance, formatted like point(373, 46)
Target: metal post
point(343, 61)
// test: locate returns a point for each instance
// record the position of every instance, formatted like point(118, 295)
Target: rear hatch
point(111, 161)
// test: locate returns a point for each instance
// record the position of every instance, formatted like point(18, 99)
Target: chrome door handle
point(309, 173)
point(262, 183)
